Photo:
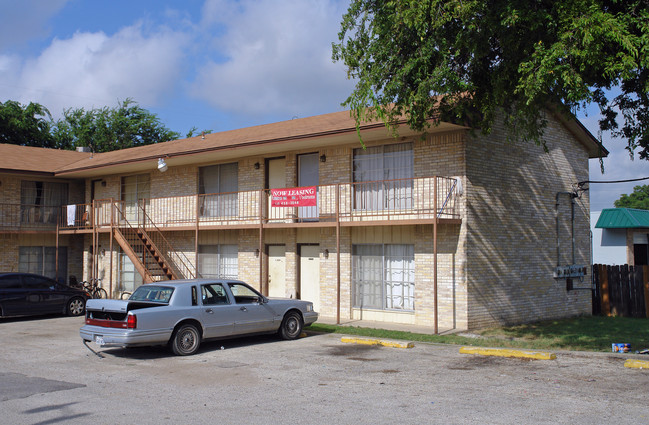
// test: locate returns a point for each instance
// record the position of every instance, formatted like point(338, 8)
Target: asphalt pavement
point(48, 376)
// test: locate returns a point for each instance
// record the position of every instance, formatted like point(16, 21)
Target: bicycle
point(93, 287)
point(125, 295)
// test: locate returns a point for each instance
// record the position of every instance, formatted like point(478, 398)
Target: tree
point(639, 199)
point(26, 125)
point(469, 60)
point(107, 129)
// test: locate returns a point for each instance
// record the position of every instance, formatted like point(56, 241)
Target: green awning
point(623, 218)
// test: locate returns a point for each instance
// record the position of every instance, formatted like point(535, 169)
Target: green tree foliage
point(639, 199)
point(106, 129)
point(101, 129)
point(26, 125)
point(468, 60)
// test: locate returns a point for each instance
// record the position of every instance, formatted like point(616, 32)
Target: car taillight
point(131, 321)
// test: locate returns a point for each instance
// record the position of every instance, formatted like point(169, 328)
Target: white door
point(277, 271)
point(308, 175)
point(310, 274)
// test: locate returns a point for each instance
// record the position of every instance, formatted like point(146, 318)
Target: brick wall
point(511, 233)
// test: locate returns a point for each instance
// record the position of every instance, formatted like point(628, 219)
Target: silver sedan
point(183, 313)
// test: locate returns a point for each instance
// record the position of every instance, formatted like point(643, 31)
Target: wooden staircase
point(150, 252)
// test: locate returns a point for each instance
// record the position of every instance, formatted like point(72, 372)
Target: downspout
point(261, 242)
point(112, 236)
point(56, 257)
point(196, 235)
point(338, 254)
point(436, 318)
point(572, 224)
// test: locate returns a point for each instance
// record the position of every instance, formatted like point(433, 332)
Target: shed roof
point(623, 218)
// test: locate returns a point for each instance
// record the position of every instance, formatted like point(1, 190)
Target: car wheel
point(291, 327)
point(185, 340)
point(76, 306)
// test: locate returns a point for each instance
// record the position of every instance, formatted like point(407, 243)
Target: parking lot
point(48, 376)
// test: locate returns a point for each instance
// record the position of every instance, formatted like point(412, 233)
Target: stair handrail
point(181, 264)
point(124, 223)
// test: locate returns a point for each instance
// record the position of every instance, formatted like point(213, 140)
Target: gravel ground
point(48, 376)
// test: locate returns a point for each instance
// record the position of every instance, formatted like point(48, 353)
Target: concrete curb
point(384, 343)
point(637, 364)
point(506, 352)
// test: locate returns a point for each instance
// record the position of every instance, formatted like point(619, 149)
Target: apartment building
point(451, 229)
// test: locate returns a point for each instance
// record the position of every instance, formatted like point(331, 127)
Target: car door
point(251, 315)
point(13, 297)
point(43, 296)
point(217, 311)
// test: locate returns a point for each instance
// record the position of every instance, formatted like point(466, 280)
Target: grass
point(588, 333)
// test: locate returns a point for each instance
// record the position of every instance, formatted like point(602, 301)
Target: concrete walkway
point(428, 330)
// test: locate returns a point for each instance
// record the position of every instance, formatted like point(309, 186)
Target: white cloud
point(25, 20)
point(94, 69)
point(275, 58)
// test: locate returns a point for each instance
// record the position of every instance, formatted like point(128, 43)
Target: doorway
point(277, 271)
point(310, 274)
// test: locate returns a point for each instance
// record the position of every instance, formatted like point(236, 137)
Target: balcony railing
point(17, 217)
point(387, 200)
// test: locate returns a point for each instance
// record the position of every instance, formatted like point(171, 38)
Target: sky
point(210, 64)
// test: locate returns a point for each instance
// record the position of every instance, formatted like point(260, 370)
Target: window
point(40, 202)
point(129, 278)
point(214, 294)
point(383, 276)
point(35, 282)
point(135, 189)
point(219, 184)
point(10, 282)
point(42, 260)
point(243, 294)
point(218, 261)
point(160, 294)
point(379, 174)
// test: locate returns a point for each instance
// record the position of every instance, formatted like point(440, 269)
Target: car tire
point(291, 326)
point(185, 340)
point(76, 306)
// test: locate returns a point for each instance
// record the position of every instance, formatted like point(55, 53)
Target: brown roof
point(20, 158)
point(17, 159)
point(320, 125)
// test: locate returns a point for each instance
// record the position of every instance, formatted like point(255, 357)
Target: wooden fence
point(621, 290)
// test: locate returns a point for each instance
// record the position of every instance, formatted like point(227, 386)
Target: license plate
point(99, 340)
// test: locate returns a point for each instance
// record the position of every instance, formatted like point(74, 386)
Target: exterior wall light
point(323, 158)
point(162, 165)
point(326, 253)
point(256, 166)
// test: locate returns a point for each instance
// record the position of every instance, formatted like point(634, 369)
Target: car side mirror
point(262, 300)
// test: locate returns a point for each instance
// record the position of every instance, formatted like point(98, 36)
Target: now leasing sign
point(294, 197)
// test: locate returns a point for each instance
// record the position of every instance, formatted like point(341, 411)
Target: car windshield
point(159, 294)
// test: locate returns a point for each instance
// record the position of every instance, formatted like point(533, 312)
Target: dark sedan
point(26, 294)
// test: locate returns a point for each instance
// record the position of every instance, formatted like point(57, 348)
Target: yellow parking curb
point(637, 364)
point(505, 352)
point(393, 344)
